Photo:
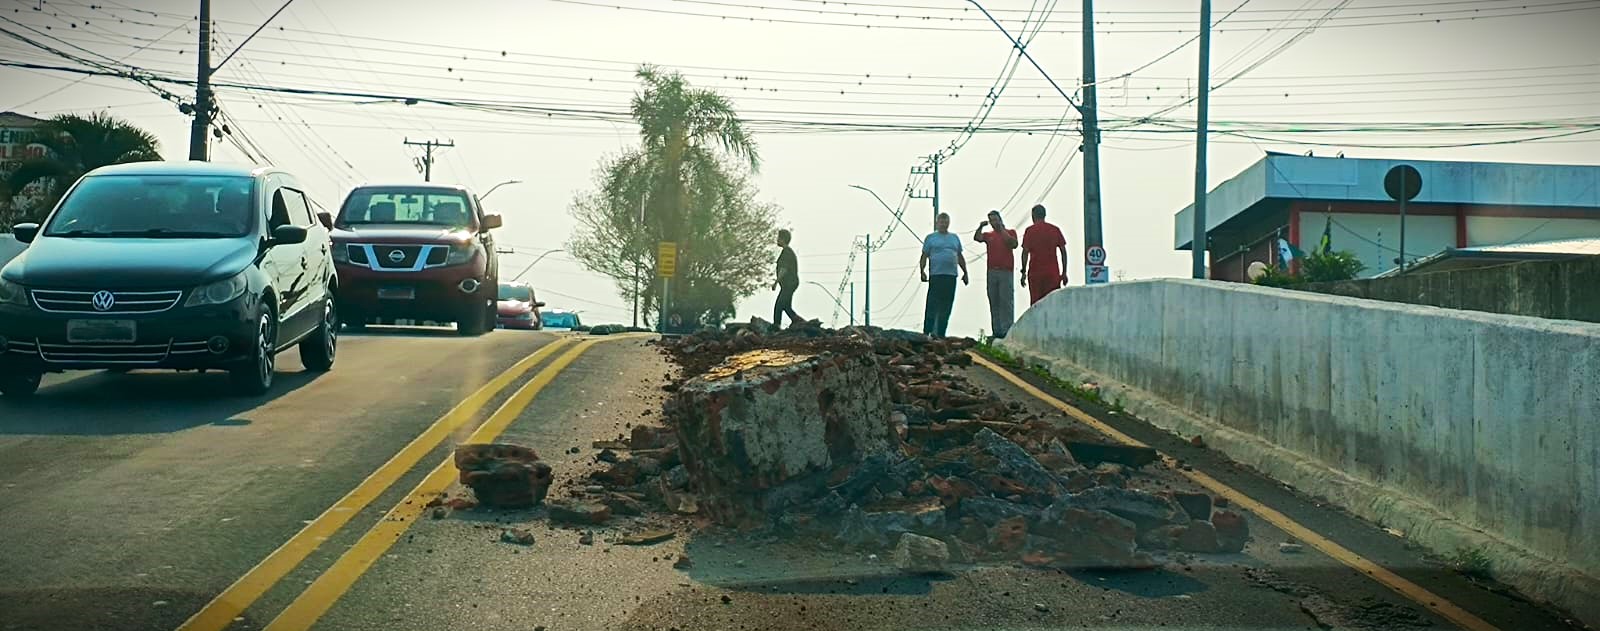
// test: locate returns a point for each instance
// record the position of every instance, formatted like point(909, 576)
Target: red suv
point(416, 251)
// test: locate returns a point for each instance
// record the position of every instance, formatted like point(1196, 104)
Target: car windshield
point(560, 320)
point(172, 206)
point(516, 292)
point(425, 206)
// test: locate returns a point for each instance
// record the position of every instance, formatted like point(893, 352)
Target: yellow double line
point(327, 589)
point(1412, 591)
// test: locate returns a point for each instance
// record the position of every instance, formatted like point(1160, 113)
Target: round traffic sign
point(1095, 255)
point(1402, 183)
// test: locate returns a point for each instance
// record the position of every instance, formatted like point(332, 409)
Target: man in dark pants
point(787, 282)
point(941, 257)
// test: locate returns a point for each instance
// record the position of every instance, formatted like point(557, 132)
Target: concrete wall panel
point(1489, 420)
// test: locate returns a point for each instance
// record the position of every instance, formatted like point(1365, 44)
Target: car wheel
point(317, 351)
point(475, 323)
point(19, 385)
point(254, 378)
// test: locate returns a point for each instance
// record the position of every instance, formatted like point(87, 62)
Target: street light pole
point(535, 262)
point(495, 187)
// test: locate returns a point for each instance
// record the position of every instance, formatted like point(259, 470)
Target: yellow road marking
point(221, 611)
point(312, 604)
point(1412, 591)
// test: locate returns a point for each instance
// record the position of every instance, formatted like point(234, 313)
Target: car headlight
point(12, 294)
point(461, 253)
point(218, 293)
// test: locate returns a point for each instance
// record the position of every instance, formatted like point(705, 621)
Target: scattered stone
point(650, 437)
point(1041, 608)
point(573, 450)
point(1015, 461)
point(609, 444)
point(917, 554)
point(460, 503)
point(1094, 539)
point(517, 536)
point(623, 505)
point(607, 455)
point(726, 599)
point(677, 477)
point(683, 562)
point(503, 475)
point(1197, 505)
point(587, 538)
point(1288, 547)
point(646, 538)
point(578, 512)
point(440, 512)
point(1146, 510)
point(1232, 530)
point(1198, 441)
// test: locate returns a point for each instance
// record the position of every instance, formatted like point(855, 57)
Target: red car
point(518, 308)
point(418, 252)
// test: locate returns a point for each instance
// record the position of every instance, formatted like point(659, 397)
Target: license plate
point(90, 331)
point(397, 293)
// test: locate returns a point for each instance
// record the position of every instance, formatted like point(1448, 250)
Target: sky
point(791, 64)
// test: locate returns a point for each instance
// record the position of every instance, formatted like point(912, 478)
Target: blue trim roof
point(1292, 177)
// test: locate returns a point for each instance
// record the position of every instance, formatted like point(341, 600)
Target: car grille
point(397, 258)
point(107, 353)
point(64, 301)
point(104, 353)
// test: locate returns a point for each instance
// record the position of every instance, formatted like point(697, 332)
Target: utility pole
point(425, 164)
point(200, 127)
point(1091, 137)
point(638, 265)
point(852, 303)
point(1199, 240)
point(933, 170)
point(866, 305)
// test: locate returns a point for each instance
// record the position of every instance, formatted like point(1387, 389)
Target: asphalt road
point(133, 501)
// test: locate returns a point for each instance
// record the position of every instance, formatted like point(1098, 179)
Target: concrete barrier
point(1465, 430)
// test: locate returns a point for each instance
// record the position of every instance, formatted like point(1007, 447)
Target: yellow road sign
point(667, 259)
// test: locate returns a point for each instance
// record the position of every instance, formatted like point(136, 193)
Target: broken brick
point(580, 513)
point(1233, 532)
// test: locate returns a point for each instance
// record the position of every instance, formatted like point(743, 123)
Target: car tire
point(19, 385)
point(474, 324)
point(319, 349)
point(254, 378)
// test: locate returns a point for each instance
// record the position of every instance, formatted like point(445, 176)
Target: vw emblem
point(103, 300)
point(396, 256)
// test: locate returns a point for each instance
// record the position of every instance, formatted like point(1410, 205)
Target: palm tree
point(77, 145)
point(683, 129)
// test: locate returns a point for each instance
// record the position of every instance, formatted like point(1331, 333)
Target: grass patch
point(1471, 562)
point(1092, 395)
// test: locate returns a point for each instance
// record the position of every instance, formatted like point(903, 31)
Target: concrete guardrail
point(1463, 430)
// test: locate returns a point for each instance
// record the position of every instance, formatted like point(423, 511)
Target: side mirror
point(25, 232)
point(538, 304)
point(492, 221)
point(325, 218)
point(288, 235)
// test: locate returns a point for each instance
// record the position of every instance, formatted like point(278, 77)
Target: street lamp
point(835, 299)
point(535, 262)
point(492, 188)
point(891, 210)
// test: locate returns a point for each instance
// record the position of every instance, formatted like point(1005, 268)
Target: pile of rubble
point(861, 436)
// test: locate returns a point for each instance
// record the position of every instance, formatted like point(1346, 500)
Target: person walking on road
point(787, 281)
point(1040, 244)
point(941, 258)
point(999, 241)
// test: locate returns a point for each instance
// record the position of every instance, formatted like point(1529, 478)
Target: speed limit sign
point(1095, 255)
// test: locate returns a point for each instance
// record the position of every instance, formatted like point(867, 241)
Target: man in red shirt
point(1040, 244)
point(999, 242)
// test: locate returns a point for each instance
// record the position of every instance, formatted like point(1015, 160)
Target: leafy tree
point(689, 180)
point(1317, 267)
point(77, 144)
point(1324, 267)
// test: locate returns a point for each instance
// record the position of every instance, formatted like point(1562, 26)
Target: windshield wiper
point(163, 232)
